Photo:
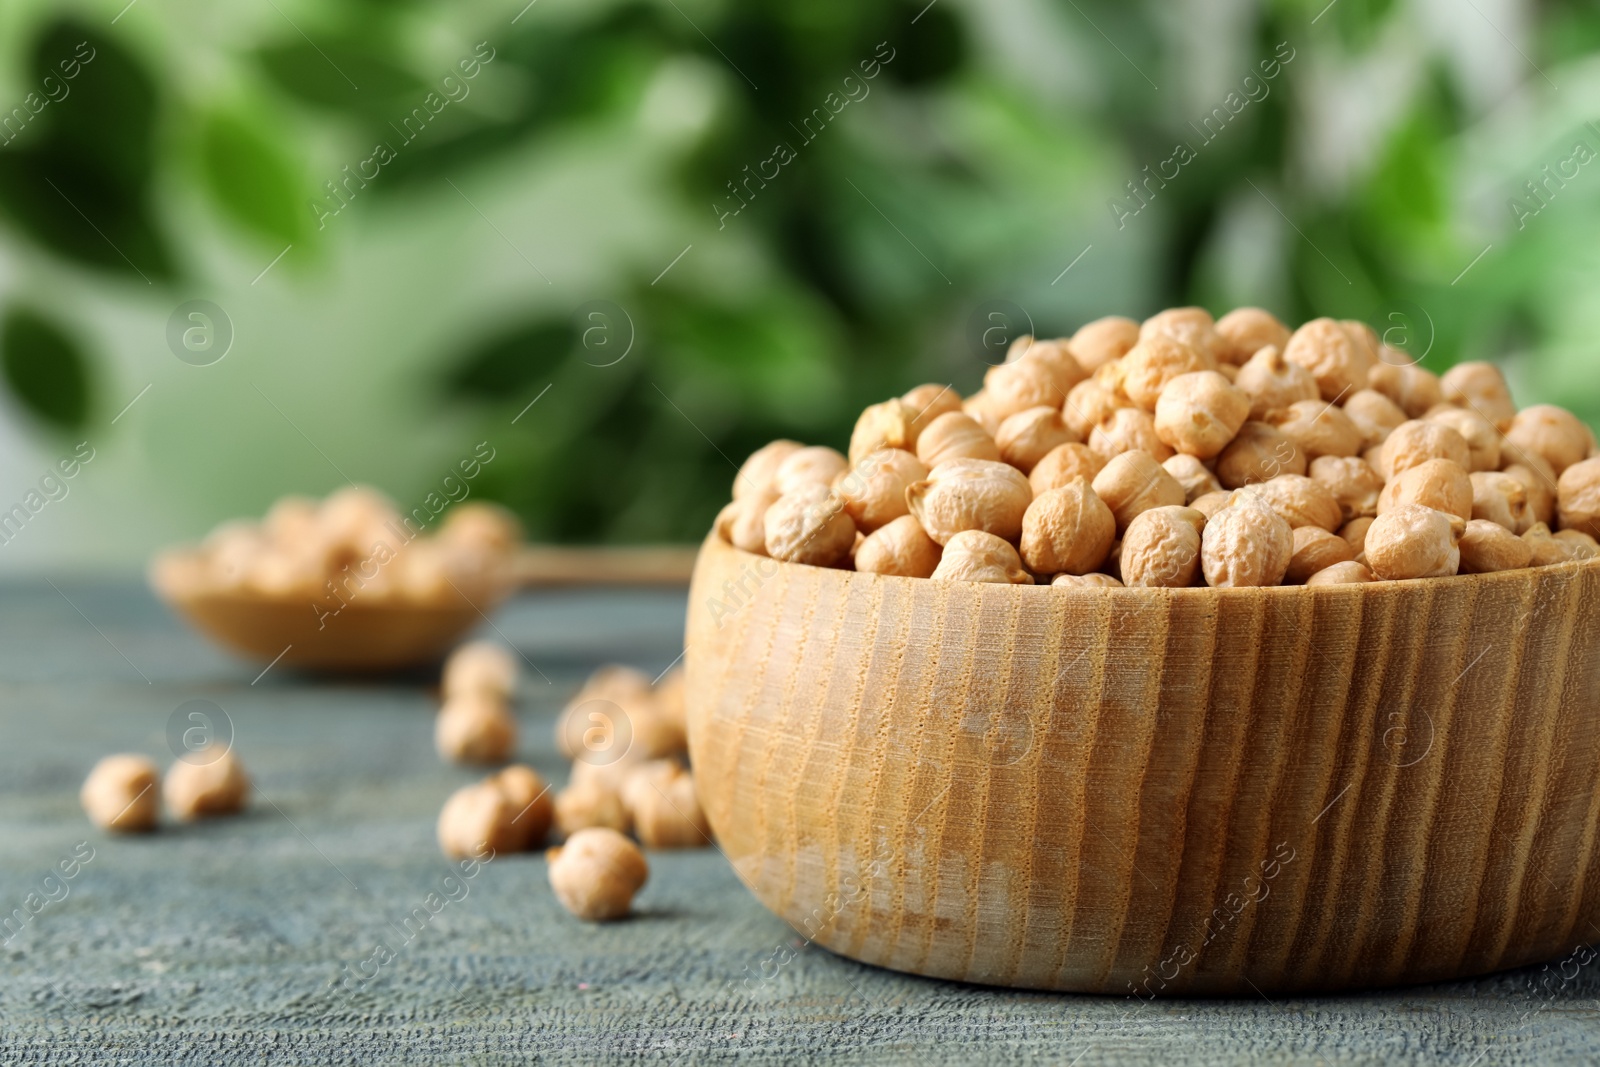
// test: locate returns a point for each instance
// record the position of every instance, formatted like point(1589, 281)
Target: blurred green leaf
point(252, 178)
point(510, 361)
point(44, 368)
point(342, 75)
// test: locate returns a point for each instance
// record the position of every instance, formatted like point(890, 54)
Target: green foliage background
point(1374, 179)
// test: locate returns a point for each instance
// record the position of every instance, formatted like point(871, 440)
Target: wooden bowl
point(1190, 791)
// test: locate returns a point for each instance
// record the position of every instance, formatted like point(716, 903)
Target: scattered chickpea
point(1483, 440)
point(901, 547)
point(1258, 452)
point(1579, 497)
point(1500, 498)
point(214, 783)
point(1153, 362)
point(809, 525)
point(1349, 573)
point(1318, 429)
point(1418, 441)
point(1413, 541)
point(480, 667)
point(808, 467)
point(1067, 530)
point(1479, 387)
point(1373, 415)
point(476, 820)
point(1062, 464)
point(596, 874)
point(1339, 360)
point(1191, 325)
point(665, 810)
point(475, 727)
point(1103, 340)
point(1087, 405)
point(970, 494)
point(1551, 433)
point(1028, 436)
point(1246, 544)
point(758, 475)
point(1133, 482)
point(874, 489)
point(1300, 500)
point(121, 794)
point(1435, 483)
point(1128, 430)
point(589, 802)
point(1355, 534)
point(1195, 477)
point(1162, 548)
point(1243, 332)
point(531, 805)
point(1315, 550)
point(1488, 546)
point(976, 556)
point(891, 424)
point(1273, 382)
point(1354, 484)
point(1199, 413)
point(955, 435)
point(1414, 390)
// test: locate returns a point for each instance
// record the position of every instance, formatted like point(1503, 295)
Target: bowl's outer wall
point(1153, 791)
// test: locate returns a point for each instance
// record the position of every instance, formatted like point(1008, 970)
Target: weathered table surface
point(224, 942)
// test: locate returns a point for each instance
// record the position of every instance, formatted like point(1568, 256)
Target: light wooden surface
point(1156, 791)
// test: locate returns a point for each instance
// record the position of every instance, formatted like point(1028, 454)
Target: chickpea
point(1551, 433)
point(1417, 442)
point(1246, 544)
point(891, 424)
point(589, 802)
point(1030, 382)
point(1354, 484)
point(1365, 337)
point(1579, 497)
point(292, 519)
point(596, 874)
point(1243, 332)
point(1087, 581)
point(1103, 340)
point(1162, 548)
point(1579, 544)
point(475, 727)
point(1339, 360)
point(1229, 371)
point(1067, 530)
point(1315, 550)
point(1028, 436)
point(1195, 477)
point(1373, 415)
point(1487, 547)
point(1055, 355)
point(1208, 504)
point(807, 467)
point(1133, 482)
point(955, 435)
point(485, 527)
point(1153, 362)
point(480, 666)
point(1257, 453)
point(902, 547)
point(476, 821)
point(1479, 387)
point(1413, 389)
point(1199, 413)
point(1087, 405)
point(665, 810)
point(809, 525)
point(1414, 541)
point(355, 518)
point(982, 409)
point(1191, 325)
point(928, 402)
point(1355, 534)
point(1350, 573)
point(874, 490)
point(745, 526)
point(1062, 464)
point(1273, 382)
point(1539, 481)
point(120, 794)
point(1318, 429)
point(1111, 377)
point(530, 803)
point(1112, 567)
point(215, 783)
point(1301, 501)
point(1437, 483)
point(1483, 440)
point(970, 494)
point(1127, 430)
point(976, 556)
point(1499, 498)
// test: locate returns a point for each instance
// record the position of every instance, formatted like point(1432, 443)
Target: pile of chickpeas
point(354, 546)
point(1187, 451)
point(626, 738)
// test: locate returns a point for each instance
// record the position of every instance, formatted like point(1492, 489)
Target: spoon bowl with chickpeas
point(1190, 656)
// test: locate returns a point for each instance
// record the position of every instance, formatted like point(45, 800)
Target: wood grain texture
point(1165, 792)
